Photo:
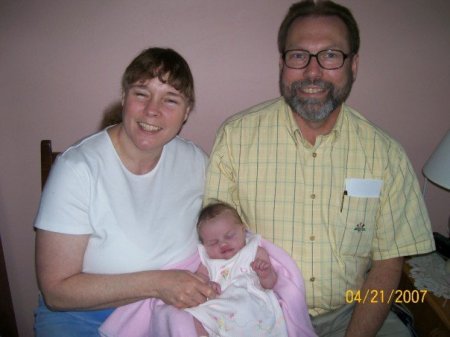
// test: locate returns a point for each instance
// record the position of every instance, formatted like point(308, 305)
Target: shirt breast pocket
point(356, 226)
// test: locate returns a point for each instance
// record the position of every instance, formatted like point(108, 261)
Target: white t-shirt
point(136, 222)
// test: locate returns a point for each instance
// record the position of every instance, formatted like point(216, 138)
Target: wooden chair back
point(47, 159)
point(8, 325)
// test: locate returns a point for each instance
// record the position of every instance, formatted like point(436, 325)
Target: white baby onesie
point(243, 308)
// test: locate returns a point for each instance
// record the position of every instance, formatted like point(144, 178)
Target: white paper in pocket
point(363, 188)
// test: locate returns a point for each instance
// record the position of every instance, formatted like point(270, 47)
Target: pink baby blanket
point(154, 318)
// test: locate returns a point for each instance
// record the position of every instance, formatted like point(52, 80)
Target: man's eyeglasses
point(329, 59)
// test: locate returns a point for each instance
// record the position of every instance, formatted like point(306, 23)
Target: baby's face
point(222, 236)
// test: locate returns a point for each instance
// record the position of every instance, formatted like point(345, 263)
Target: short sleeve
point(403, 225)
point(64, 206)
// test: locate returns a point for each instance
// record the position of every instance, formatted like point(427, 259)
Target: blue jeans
point(49, 323)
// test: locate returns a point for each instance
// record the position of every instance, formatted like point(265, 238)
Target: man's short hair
point(309, 8)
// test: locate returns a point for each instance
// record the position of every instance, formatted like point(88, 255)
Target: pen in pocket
point(342, 201)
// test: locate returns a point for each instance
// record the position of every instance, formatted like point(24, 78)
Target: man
point(311, 174)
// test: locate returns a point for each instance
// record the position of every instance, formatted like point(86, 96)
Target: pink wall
point(61, 62)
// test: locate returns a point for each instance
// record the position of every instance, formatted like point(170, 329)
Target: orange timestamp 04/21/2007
point(381, 296)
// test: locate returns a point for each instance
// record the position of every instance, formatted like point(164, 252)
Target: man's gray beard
point(312, 110)
point(315, 110)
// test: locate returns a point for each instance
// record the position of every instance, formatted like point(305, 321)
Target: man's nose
point(313, 70)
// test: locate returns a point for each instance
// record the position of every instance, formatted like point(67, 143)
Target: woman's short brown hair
point(165, 64)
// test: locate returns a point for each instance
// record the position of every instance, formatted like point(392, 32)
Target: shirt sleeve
point(403, 225)
point(64, 202)
point(221, 174)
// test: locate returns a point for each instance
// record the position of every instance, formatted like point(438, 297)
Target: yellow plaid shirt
point(292, 194)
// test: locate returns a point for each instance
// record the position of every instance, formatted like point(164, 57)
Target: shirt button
point(312, 279)
point(314, 155)
point(313, 196)
point(312, 237)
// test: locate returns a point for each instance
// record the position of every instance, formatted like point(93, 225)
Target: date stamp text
point(380, 296)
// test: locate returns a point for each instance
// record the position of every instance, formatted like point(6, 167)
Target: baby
point(241, 273)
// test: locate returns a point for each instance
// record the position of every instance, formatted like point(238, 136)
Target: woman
point(121, 204)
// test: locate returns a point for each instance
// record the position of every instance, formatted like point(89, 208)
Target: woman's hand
point(216, 287)
point(184, 289)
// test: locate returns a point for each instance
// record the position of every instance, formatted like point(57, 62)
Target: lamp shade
point(437, 168)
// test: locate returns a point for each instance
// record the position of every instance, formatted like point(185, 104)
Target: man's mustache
point(306, 83)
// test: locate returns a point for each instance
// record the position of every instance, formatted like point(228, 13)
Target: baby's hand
point(215, 286)
point(261, 267)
